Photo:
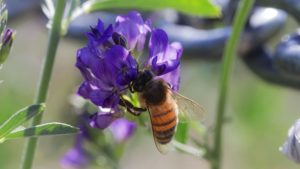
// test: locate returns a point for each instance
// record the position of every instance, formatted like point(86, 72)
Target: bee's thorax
point(155, 92)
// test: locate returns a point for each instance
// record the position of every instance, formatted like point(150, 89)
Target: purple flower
point(99, 36)
point(122, 63)
point(109, 68)
point(77, 157)
point(108, 98)
point(101, 120)
point(134, 30)
point(104, 117)
point(106, 68)
point(164, 58)
point(173, 78)
point(122, 129)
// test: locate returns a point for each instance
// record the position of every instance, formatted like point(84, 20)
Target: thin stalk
point(45, 76)
point(227, 63)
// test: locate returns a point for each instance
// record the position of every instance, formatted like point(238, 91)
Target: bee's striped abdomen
point(164, 120)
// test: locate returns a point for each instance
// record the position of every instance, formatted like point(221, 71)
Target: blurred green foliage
point(194, 7)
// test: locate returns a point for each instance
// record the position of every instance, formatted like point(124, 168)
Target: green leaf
point(20, 117)
point(182, 132)
point(46, 129)
point(192, 7)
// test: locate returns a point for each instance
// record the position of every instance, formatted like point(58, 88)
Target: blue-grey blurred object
point(261, 62)
point(290, 6)
point(281, 67)
point(287, 56)
point(207, 44)
point(210, 44)
point(19, 7)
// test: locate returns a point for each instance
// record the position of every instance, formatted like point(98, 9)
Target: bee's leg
point(131, 108)
point(134, 112)
point(131, 88)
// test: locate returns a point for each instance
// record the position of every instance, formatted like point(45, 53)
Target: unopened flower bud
point(6, 44)
point(291, 148)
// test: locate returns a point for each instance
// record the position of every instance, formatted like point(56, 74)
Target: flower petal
point(76, 157)
point(165, 67)
point(93, 69)
point(116, 55)
point(167, 60)
point(158, 44)
point(84, 90)
point(122, 129)
point(173, 78)
point(99, 35)
point(86, 57)
point(122, 63)
point(106, 99)
point(101, 120)
point(177, 47)
point(133, 28)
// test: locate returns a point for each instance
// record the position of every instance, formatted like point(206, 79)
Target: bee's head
point(142, 79)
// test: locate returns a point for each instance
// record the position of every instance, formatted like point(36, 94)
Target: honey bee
point(163, 105)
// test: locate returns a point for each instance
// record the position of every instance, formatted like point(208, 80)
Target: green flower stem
point(45, 76)
point(227, 63)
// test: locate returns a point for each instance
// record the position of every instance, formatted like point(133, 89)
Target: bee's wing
point(188, 109)
point(163, 148)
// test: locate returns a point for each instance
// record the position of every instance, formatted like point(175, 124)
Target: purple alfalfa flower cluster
point(110, 66)
point(79, 156)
